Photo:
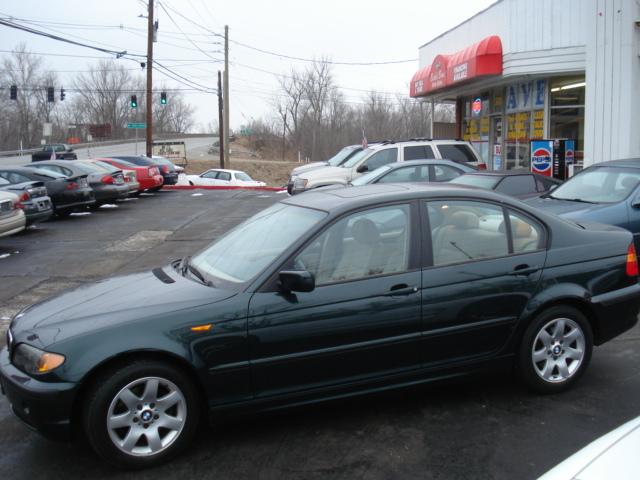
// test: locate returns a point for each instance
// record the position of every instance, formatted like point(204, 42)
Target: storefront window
point(476, 124)
point(524, 106)
point(567, 111)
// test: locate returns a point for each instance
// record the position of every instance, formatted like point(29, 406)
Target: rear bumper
point(38, 216)
point(111, 193)
point(616, 312)
point(170, 179)
point(13, 223)
point(45, 407)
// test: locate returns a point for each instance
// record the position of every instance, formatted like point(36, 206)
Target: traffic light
point(50, 98)
point(13, 92)
point(62, 94)
point(163, 98)
point(134, 101)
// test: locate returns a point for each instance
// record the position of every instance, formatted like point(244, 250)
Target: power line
point(65, 40)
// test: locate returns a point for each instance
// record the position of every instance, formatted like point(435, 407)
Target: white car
point(12, 219)
point(383, 153)
point(612, 456)
point(223, 178)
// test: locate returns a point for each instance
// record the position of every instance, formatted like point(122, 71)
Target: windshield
point(356, 158)
point(87, 167)
point(481, 181)
point(244, 177)
point(370, 176)
point(599, 185)
point(48, 174)
point(124, 163)
point(339, 157)
point(245, 251)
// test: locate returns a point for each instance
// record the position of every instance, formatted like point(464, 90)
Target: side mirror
point(297, 281)
point(362, 169)
point(636, 202)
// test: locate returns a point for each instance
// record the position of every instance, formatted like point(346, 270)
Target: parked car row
point(46, 188)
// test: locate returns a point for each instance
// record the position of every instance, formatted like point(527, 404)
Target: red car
point(149, 177)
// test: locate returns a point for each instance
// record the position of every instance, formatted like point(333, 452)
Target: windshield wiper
point(186, 266)
point(575, 200)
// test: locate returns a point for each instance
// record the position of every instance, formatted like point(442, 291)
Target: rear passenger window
point(527, 234)
point(378, 159)
point(517, 185)
point(457, 152)
point(463, 231)
point(407, 174)
point(444, 173)
point(225, 176)
point(418, 152)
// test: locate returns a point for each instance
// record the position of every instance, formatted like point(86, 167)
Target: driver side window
point(211, 175)
point(364, 244)
point(224, 176)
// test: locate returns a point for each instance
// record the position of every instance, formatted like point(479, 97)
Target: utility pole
point(149, 149)
point(226, 97)
point(221, 142)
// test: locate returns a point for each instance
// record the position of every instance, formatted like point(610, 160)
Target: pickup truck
point(62, 151)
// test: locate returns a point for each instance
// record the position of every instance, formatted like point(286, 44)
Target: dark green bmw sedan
point(321, 296)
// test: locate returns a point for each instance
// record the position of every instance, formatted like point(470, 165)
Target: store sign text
point(526, 96)
point(460, 72)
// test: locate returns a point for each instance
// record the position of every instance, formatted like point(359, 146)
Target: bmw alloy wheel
point(146, 416)
point(558, 350)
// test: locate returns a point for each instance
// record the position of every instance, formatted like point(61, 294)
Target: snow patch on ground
point(147, 194)
point(108, 205)
point(280, 192)
point(197, 194)
point(4, 255)
point(80, 214)
point(130, 199)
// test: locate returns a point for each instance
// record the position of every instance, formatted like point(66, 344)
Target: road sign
point(137, 125)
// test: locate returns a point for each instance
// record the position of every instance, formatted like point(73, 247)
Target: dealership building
point(524, 70)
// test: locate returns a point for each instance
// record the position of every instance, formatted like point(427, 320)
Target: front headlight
point(300, 182)
point(34, 361)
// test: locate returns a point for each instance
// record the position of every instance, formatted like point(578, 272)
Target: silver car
point(12, 219)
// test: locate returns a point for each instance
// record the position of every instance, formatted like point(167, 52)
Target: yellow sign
point(522, 126)
point(484, 127)
point(538, 124)
point(511, 127)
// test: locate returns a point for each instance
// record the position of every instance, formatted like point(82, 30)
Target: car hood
point(307, 167)
point(327, 172)
point(110, 302)
point(613, 455)
point(570, 209)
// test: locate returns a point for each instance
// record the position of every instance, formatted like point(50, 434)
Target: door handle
point(524, 269)
point(401, 289)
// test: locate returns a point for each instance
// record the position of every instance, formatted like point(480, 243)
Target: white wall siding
point(612, 112)
point(546, 29)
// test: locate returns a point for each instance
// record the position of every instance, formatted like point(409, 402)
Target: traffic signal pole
point(149, 80)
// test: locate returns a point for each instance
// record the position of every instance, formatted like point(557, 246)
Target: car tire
point(556, 350)
point(132, 423)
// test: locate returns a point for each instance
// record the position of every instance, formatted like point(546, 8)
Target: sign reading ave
point(137, 125)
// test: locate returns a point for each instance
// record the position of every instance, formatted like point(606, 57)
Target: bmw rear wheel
point(556, 349)
point(141, 414)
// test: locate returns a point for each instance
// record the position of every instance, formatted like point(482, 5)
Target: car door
point(362, 321)
point(208, 178)
point(484, 263)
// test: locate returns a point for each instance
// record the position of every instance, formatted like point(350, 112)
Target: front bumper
point(44, 407)
point(616, 312)
point(170, 178)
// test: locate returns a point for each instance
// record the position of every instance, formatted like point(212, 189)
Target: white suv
point(380, 154)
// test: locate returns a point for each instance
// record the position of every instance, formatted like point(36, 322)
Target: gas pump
point(552, 158)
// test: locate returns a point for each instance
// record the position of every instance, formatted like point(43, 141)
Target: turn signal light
point(25, 197)
point(202, 328)
point(49, 361)
point(632, 261)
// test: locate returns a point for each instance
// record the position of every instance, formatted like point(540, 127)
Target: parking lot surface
point(486, 427)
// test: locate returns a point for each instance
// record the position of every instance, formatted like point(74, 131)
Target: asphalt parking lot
point(486, 427)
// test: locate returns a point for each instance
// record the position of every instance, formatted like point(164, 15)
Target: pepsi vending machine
point(552, 158)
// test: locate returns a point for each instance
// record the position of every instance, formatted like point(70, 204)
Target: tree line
point(99, 96)
point(312, 117)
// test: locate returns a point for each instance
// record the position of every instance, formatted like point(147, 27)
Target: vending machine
point(552, 158)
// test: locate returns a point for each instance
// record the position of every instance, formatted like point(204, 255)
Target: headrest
point(365, 231)
point(520, 229)
point(465, 220)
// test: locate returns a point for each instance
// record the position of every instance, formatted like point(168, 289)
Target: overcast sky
point(344, 31)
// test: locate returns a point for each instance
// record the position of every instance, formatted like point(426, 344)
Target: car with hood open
point(321, 296)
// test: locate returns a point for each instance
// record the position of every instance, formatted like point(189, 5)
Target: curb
point(220, 187)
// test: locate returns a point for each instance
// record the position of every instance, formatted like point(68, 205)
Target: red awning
point(479, 60)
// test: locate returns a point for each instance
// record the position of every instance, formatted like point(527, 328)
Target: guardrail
point(105, 143)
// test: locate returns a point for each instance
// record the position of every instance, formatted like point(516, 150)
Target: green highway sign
point(137, 125)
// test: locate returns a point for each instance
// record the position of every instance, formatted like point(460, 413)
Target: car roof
point(623, 162)
point(503, 173)
point(17, 169)
point(429, 161)
point(223, 170)
point(343, 199)
point(414, 141)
